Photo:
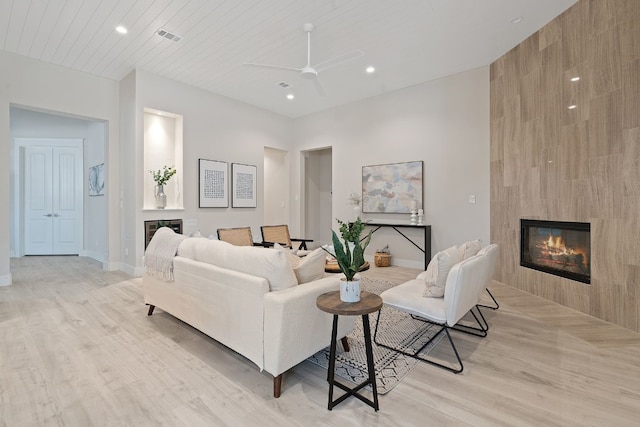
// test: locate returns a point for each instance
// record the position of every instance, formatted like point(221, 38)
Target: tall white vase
point(349, 291)
point(356, 212)
point(161, 198)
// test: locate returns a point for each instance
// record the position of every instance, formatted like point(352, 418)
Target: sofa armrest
point(295, 328)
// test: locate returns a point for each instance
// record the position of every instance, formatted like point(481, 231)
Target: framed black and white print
point(213, 177)
point(243, 186)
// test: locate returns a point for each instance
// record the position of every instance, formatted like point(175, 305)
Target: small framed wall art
point(243, 186)
point(213, 179)
point(96, 180)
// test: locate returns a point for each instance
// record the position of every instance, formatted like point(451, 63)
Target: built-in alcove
point(163, 147)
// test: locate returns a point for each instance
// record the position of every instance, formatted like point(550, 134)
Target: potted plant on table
point(161, 177)
point(350, 256)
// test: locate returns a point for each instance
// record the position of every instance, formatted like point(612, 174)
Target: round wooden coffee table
point(369, 303)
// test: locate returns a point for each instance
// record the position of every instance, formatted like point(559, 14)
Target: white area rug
point(394, 329)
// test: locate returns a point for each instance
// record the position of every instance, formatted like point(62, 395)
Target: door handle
point(49, 215)
point(56, 215)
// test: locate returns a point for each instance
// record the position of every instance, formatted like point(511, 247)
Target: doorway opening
point(70, 146)
point(318, 193)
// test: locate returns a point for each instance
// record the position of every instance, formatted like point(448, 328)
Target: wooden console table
point(426, 231)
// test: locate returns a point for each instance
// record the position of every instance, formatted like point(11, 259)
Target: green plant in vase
point(350, 256)
point(161, 177)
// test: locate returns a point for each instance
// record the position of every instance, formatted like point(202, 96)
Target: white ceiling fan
point(310, 72)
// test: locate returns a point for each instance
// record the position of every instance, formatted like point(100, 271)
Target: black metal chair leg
point(415, 355)
point(481, 331)
point(495, 305)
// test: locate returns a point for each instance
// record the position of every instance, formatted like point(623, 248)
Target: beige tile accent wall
point(550, 162)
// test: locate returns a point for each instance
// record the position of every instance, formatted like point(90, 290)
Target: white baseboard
point(5, 280)
point(138, 271)
point(93, 255)
point(131, 270)
point(111, 266)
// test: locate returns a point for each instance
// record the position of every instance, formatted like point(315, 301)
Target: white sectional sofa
point(247, 298)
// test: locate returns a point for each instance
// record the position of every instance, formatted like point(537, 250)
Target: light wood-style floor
point(77, 349)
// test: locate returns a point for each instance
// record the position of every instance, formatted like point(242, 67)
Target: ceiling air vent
point(284, 85)
point(168, 35)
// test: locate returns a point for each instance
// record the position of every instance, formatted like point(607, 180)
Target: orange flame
point(558, 246)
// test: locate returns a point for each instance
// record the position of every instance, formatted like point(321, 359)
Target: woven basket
point(382, 259)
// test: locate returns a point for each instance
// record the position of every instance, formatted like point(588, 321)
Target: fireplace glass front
point(557, 247)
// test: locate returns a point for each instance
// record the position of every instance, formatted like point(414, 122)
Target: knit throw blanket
point(158, 258)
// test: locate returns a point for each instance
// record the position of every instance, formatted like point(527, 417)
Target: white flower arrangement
point(354, 199)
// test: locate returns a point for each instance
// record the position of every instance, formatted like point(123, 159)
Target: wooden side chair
point(240, 236)
point(280, 234)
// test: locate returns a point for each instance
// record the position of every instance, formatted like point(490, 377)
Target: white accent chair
point(466, 281)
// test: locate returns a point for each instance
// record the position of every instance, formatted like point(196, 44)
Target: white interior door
point(53, 200)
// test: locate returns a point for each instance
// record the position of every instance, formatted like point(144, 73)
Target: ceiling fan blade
point(277, 67)
point(337, 60)
point(318, 86)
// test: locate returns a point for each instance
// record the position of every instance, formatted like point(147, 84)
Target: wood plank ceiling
point(408, 41)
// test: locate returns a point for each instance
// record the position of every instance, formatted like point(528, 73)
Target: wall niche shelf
point(163, 147)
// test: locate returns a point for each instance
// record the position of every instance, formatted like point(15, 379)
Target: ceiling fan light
point(308, 73)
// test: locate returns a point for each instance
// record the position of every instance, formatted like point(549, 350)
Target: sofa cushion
point(257, 261)
point(469, 249)
point(437, 271)
point(307, 268)
point(311, 267)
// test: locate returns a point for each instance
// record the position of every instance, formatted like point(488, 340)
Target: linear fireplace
point(557, 247)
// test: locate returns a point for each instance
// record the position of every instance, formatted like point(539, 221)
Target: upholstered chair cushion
point(437, 271)
point(469, 249)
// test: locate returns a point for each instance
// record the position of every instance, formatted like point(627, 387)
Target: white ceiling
point(408, 41)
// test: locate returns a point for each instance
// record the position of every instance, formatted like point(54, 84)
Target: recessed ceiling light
point(121, 29)
point(572, 106)
point(290, 96)
point(371, 69)
point(517, 20)
point(575, 79)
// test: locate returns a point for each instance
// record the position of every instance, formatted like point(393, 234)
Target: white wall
point(215, 128)
point(31, 83)
point(317, 197)
point(276, 187)
point(96, 240)
point(444, 123)
point(130, 216)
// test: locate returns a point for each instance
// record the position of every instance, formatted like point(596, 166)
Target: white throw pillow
point(435, 278)
point(308, 268)
point(469, 249)
point(311, 267)
point(294, 260)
